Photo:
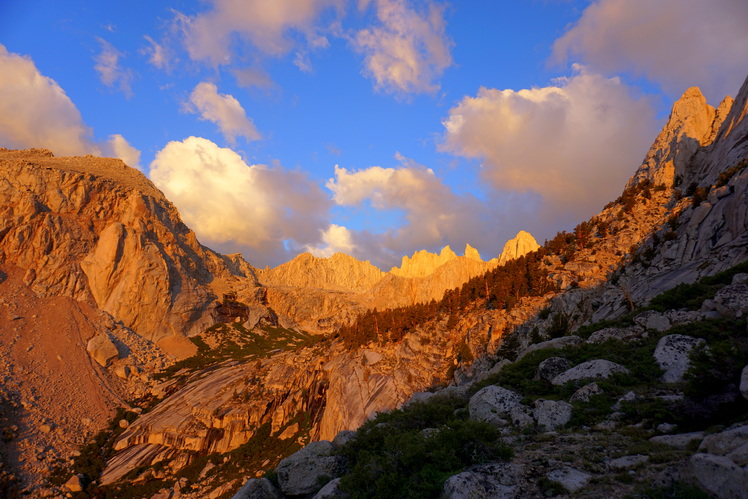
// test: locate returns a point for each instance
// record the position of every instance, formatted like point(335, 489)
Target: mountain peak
point(689, 127)
point(472, 253)
point(518, 246)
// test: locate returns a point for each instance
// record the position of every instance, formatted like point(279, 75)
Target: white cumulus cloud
point(335, 239)
point(111, 72)
point(433, 215)
point(677, 43)
point(118, 147)
point(223, 110)
point(36, 112)
point(574, 143)
point(409, 50)
point(264, 24)
point(259, 210)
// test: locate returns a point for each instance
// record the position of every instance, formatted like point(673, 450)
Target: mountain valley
point(136, 362)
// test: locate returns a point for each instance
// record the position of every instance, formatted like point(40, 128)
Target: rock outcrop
point(520, 245)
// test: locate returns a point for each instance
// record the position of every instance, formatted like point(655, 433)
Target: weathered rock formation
point(521, 244)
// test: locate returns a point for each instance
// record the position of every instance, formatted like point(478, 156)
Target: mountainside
point(92, 242)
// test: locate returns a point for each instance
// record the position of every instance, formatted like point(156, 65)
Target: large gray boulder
point(258, 488)
point(556, 343)
point(615, 333)
point(652, 319)
point(552, 414)
point(724, 442)
point(732, 301)
point(331, 491)
point(593, 369)
point(672, 355)
point(551, 367)
point(302, 472)
point(719, 475)
point(491, 403)
point(570, 478)
point(680, 441)
point(496, 480)
point(585, 393)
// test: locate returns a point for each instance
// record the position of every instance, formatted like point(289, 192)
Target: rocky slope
point(670, 233)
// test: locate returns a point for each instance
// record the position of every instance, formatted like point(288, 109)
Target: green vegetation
point(409, 453)
point(236, 342)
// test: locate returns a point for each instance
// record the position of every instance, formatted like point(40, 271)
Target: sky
point(376, 128)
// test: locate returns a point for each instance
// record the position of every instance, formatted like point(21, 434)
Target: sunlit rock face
point(520, 245)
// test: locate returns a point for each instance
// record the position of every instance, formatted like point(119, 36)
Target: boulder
point(102, 349)
point(744, 382)
point(301, 472)
point(74, 484)
point(343, 437)
point(492, 402)
point(741, 278)
point(521, 416)
point(570, 478)
point(495, 480)
point(732, 301)
point(626, 462)
point(258, 488)
point(615, 333)
point(680, 441)
point(652, 319)
point(557, 343)
point(740, 455)
point(584, 393)
point(672, 354)
point(552, 414)
point(719, 475)
point(552, 367)
point(331, 491)
point(724, 442)
point(593, 369)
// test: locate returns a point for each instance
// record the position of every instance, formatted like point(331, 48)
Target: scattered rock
point(672, 354)
point(301, 472)
point(489, 403)
point(552, 414)
point(496, 480)
point(719, 475)
point(123, 423)
point(74, 484)
point(592, 369)
point(629, 397)
point(626, 462)
point(732, 301)
point(331, 491)
point(258, 488)
point(614, 333)
point(724, 442)
point(680, 441)
point(552, 367)
point(666, 427)
point(652, 319)
point(122, 371)
point(556, 343)
point(45, 428)
point(102, 349)
point(343, 437)
point(521, 416)
point(570, 478)
point(741, 278)
point(584, 393)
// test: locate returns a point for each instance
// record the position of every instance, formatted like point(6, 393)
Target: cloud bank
point(573, 143)
point(677, 43)
point(223, 110)
point(268, 213)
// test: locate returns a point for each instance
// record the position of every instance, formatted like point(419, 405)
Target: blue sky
point(373, 127)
